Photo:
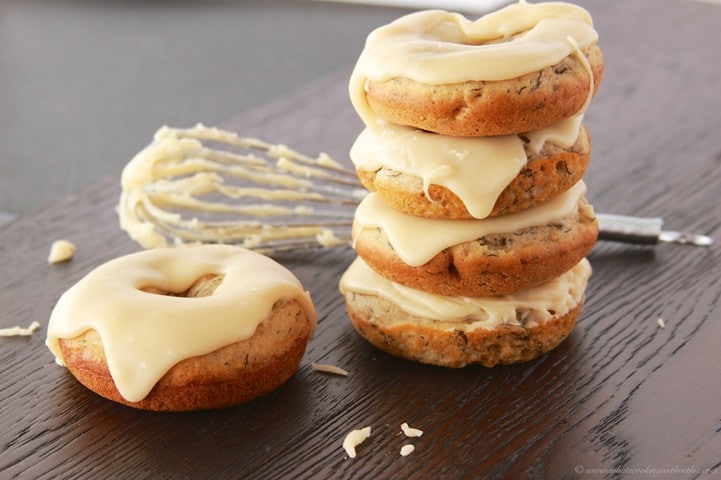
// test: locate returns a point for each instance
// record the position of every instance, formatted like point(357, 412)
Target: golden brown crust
point(547, 174)
point(231, 375)
point(453, 344)
point(496, 264)
point(481, 108)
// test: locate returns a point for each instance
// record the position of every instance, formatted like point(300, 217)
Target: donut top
point(145, 334)
point(476, 169)
point(417, 240)
point(438, 47)
point(538, 304)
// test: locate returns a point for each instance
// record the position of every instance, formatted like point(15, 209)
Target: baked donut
point(518, 69)
point(493, 256)
point(440, 176)
point(185, 328)
point(459, 331)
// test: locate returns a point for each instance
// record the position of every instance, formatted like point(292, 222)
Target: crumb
point(410, 431)
point(319, 367)
point(407, 449)
point(19, 331)
point(660, 322)
point(61, 251)
point(355, 438)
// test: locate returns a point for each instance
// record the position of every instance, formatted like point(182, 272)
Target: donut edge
point(547, 175)
point(487, 108)
point(452, 344)
point(231, 375)
point(496, 264)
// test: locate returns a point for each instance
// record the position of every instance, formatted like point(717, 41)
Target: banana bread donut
point(439, 176)
point(459, 331)
point(514, 70)
point(185, 328)
point(493, 256)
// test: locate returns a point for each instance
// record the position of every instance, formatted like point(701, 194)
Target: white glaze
point(416, 240)
point(538, 304)
point(146, 334)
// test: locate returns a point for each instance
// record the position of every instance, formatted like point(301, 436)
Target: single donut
point(514, 70)
point(460, 331)
point(185, 328)
point(438, 176)
point(494, 256)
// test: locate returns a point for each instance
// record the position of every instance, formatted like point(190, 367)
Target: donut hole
point(204, 286)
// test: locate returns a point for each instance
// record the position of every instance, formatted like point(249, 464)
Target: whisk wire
point(208, 185)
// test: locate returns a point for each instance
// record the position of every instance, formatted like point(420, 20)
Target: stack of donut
point(472, 243)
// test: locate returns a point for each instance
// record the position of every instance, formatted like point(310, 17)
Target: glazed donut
point(439, 176)
point(493, 256)
point(185, 328)
point(458, 331)
point(518, 69)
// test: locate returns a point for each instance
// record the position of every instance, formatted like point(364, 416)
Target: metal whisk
point(205, 185)
point(208, 185)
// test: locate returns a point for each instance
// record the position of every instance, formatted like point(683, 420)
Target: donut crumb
point(61, 251)
point(355, 438)
point(19, 331)
point(407, 449)
point(410, 431)
point(320, 367)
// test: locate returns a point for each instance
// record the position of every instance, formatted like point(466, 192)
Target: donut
point(460, 331)
point(515, 70)
point(440, 176)
point(185, 328)
point(493, 256)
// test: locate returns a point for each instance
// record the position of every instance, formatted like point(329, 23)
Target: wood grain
point(619, 393)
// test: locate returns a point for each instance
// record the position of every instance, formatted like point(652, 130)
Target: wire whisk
point(206, 185)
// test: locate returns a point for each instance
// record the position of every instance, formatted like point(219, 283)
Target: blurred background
point(85, 84)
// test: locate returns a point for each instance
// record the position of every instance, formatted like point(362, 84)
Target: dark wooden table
point(621, 397)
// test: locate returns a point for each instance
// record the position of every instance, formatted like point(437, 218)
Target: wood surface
point(621, 397)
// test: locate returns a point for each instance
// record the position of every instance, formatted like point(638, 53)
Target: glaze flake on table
point(621, 394)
